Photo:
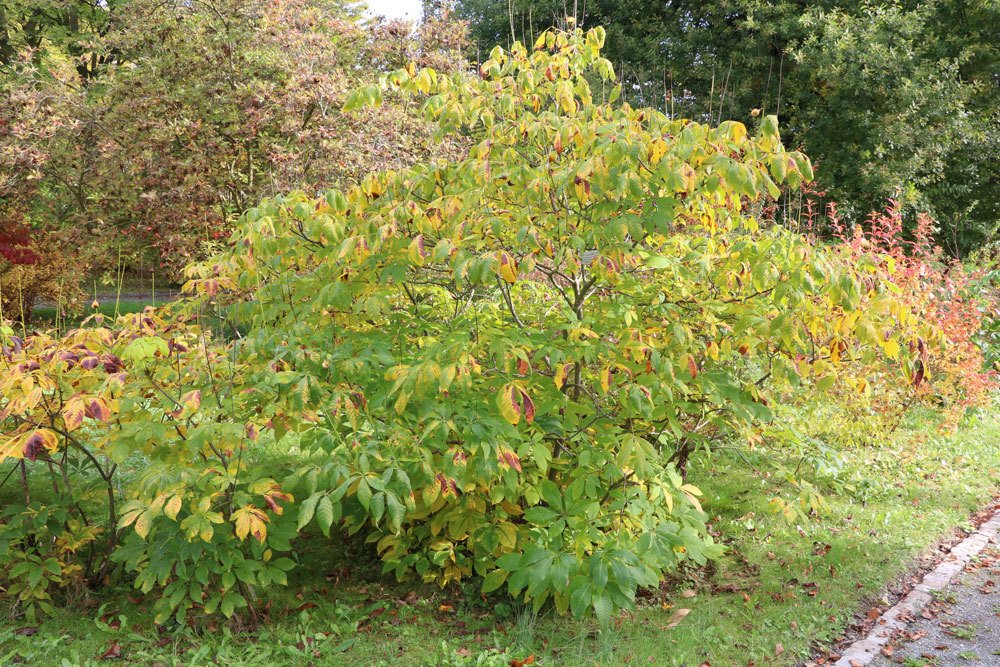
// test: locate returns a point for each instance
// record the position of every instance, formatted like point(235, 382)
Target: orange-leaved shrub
point(952, 374)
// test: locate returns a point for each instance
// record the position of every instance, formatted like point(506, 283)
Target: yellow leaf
point(250, 520)
point(657, 149)
point(507, 267)
point(606, 378)
point(11, 449)
point(561, 374)
point(172, 507)
point(400, 405)
point(143, 524)
point(191, 400)
point(510, 409)
point(72, 413)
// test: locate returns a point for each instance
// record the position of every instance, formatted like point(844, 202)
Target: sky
point(396, 9)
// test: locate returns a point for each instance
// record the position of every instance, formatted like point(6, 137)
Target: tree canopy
point(890, 99)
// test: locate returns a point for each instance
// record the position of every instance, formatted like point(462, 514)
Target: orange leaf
point(692, 366)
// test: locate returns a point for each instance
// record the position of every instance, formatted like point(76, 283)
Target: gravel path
point(961, 627)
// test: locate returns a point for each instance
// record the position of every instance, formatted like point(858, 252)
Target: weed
point(962, 631)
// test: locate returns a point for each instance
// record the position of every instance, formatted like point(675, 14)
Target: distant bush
point(32, 267)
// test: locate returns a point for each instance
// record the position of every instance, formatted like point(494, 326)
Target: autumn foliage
point(494, 365)
point(951, 373)
point(195, 112)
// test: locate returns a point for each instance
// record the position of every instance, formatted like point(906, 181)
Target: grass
point(783, 590)
point(47, 314)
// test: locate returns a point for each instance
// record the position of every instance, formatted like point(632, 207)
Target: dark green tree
point(892, 99)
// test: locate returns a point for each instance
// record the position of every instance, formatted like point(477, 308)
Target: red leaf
point(114, 652)
point(98, 409)
point(33, 447)
point(448, 486)
point(529, 407)
point(509, 458)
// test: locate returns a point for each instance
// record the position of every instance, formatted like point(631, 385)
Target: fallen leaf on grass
point(677, 617)
point(114, 652)
point(530, 660)
point(778, 649)
point(26, 632)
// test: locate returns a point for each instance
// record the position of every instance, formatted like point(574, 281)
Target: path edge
point(866, 649)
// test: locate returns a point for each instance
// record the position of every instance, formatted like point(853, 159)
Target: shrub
point(505, 360)
point(495, 366)
point(950, 371)
point(196, 523)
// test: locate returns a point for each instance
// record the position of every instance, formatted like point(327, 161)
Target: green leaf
point(603, 608)
point(308, 508)
point(539, 515)
point(324, 514)
point(147, 347)
point(494, 580)
point(395, 511)
point(364, 494)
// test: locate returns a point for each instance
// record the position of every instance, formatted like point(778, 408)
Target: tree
point(891, 99)
point(200, 109)
point(48, 29)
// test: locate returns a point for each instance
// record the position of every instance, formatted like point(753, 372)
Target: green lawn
point(107, 308)
point(783, 590)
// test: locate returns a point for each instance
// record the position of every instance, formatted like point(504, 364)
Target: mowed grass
point(784, 590)
point(45, 315)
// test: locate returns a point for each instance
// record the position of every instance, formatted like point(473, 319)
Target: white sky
point(396, 9)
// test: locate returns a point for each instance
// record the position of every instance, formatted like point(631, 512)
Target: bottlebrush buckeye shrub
point(196, 524)
point(505, 360)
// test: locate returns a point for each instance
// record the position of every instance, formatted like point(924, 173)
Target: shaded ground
point(961, 627)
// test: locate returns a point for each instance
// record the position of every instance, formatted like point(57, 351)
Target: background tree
point(187, 113)
point(891, 99)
